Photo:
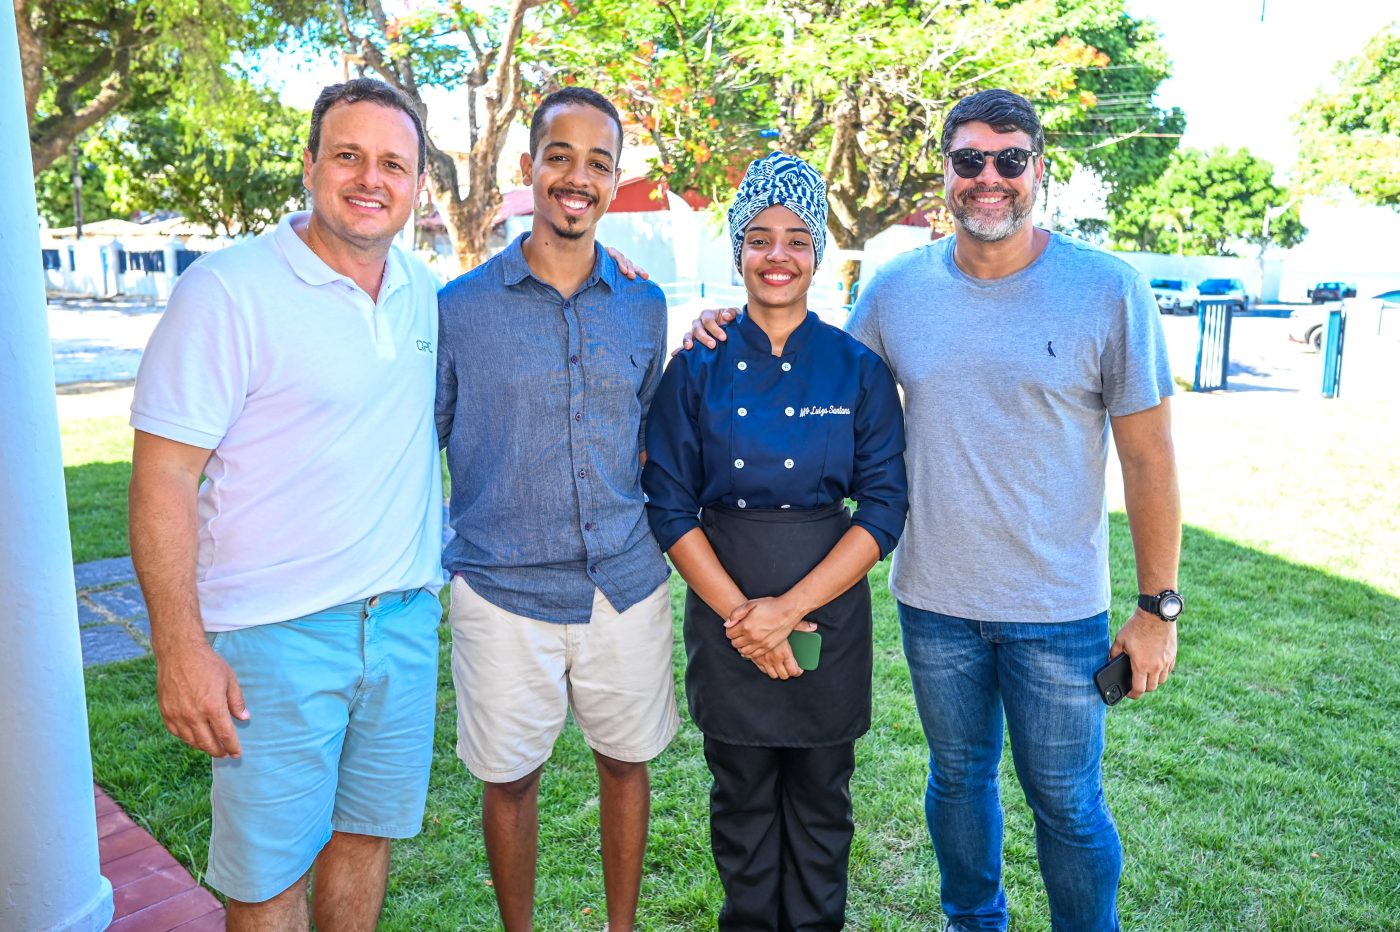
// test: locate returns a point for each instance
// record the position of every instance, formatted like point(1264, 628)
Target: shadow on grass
point(1257, 791)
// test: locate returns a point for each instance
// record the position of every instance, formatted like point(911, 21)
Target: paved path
point(99, 339)
point(112, 618)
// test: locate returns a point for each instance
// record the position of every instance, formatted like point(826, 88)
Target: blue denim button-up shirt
point(541, 405)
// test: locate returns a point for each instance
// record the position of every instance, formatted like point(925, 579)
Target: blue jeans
point(968, 676)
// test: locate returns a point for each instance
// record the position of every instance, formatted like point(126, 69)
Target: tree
point(859, 88)
point(84, 60)
point(449, 45)
point(1350, 137)
point(1205, 203)
point(54, 188)
point(235, 169)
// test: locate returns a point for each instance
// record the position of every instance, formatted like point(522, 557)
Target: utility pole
point(77, 190)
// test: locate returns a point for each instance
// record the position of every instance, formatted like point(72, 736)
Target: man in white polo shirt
point(292, 590)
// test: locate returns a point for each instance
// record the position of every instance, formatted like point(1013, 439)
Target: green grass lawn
point(97, 468)
point(1256, 791)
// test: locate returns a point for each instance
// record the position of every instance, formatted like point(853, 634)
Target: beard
point(575, 228)
point(991, 229)
point(567, 232)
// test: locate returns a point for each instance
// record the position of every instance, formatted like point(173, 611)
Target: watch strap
point(1153, 603)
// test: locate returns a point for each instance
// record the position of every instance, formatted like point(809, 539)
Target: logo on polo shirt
point(822, 411)
point(424, 346)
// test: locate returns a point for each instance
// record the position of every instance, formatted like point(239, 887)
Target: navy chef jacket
point(739, 427)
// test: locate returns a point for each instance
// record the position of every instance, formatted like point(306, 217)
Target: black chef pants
point(780, 830)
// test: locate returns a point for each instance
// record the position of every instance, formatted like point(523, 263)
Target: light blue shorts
point(340, 737)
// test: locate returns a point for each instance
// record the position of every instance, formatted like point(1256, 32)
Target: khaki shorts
point(517, 678)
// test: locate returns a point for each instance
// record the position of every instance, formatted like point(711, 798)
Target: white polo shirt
point(324, 484)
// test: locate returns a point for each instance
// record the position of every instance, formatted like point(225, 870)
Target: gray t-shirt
point(1008, 385)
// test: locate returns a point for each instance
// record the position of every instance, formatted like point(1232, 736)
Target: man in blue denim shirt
point(548, 359)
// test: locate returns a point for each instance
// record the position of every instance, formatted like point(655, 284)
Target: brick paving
point(151, 891)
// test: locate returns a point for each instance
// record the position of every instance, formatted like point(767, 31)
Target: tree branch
point(52, 136)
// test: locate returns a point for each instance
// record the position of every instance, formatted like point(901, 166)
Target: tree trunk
point(31, 57)
point(469, 220)
point(848, 274)
point(848, 237)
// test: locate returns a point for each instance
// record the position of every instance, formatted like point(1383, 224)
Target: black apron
point(766, 553)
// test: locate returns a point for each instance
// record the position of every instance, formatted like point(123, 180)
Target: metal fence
point(1213, 350)
point(1332, 353)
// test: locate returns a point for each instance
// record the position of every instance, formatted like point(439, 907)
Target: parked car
point(1225, 289)
point(1309, 324)
point(1331, 291)
point(1174, 295)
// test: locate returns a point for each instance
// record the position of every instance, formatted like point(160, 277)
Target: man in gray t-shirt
point(1018, 352)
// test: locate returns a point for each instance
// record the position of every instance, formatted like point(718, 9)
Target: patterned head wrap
point(778, 178)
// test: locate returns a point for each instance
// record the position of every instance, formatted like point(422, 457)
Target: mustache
point(989, 189)
point(572, 192)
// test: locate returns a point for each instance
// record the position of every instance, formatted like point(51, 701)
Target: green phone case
point(806, 648)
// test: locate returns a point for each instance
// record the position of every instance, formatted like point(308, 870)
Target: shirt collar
point(313, 270)
point(758, 340)
point(515, 269)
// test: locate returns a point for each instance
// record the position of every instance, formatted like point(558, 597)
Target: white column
point(49, 876)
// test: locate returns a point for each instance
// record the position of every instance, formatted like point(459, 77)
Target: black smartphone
point(1114, 679)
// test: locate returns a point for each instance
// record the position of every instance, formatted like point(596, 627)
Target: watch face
point(1170, 606)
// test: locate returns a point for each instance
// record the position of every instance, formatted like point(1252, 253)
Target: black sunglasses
point(1010, 162)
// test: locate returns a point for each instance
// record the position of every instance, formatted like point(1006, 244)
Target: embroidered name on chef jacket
point(822, 411)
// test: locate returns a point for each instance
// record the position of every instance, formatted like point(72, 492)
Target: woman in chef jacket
point(752, 449)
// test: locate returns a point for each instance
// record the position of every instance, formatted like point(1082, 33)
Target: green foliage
point(53, 188)
point(86, 60)
point(234, 165)
point(1204, 203)
point(1119, 134)
point(1350, 137)
point(859, 88)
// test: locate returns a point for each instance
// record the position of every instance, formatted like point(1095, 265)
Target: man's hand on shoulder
point(708, 328)
point(626, 266)
point(1150, 644)
point(199, 698)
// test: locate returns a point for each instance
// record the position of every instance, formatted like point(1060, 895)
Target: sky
point(1240, 79)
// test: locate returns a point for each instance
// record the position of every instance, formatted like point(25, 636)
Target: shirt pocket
point(615, 370)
